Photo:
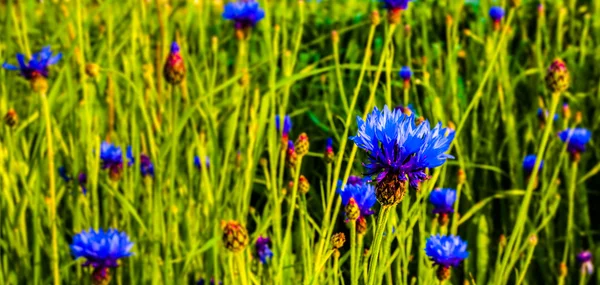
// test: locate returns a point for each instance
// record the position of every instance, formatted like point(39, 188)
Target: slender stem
point(376, 247)
point(241, 265)
point(516, 233)
point(52, 200)
point(571, 211)
point(353, 254)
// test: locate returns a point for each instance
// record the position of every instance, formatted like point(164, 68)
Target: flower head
point(405, 73)
point(146, 165)
point(174, 70)
point(101, 249)
point(262, 249)
point(443, 200)
point(112, 158)
point(585, 259)
point(529, 163)
point(577, 138)
point(287, 125)
point(328, 155)
point(244, 13)
point(235, 236)
point(37, 65)
point(198, 163)
point(399, 151)
point(362, 193)
point(544, 114)
point(496, 13)
point(396, 4)
point(446, 251)
point(62, 172)
point(82, 179)
point(558, 77)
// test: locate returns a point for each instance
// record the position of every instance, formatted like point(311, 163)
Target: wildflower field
point(299, 142)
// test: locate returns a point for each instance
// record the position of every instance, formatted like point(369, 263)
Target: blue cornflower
point(496, 13)
point(101, 249)
point(82, 179)
point(146, 165)
point(543, 115)
point(399, 150)
point(362, 193)
point(286, 128)
point(112, 158)
point(396, 4)
point(263, 251)
point(529, 163)
point(37, 65)
point(446, 251)
point(443, 200)
point(585, 259)
point(62, 172)
point(405, 73)
point(577, 137)
point(198, 163)
point(245, 13)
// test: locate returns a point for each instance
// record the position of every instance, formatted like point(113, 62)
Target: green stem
point(523, 211)
point(52, 202)
point(353, 254)
point(571, 211)
point(376, 247)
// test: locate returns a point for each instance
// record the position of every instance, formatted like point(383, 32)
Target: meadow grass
point(323, 63)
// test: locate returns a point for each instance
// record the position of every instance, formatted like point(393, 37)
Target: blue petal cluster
point(446, 251)
point(405, 73)
point(287, 125)
point(363, 194)
point(543, 115)
point(496, 13)
point(529, 163)
point(396, 4)
point(397, 146)
point(245, 13)
point(577, 137)
point(112, 156)
point(37, 65)
point(443, 200)
point(146, 165)
point(262, 249)
point(81, 178)
point(198, 163)
point(101, 249)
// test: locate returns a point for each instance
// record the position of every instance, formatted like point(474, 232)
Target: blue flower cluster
point(263, 250)
point(529, 163)
point(37, 65)
point(577, 138)
point(101, 249)
point(363, 194)
point(396, 146)
point(244, 13)
point(443, 200)
point(446, 251)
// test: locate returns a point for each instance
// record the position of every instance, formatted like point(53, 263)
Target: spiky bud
point(563, 270)
point(292, 155)
point(101, 276)
point(502, 240)
point(335, 37)
point(352, 210)
point(338, 240)
point(566, 111)
point(462, 177)
point(375, 18)
point(174, 70)
point(557, 76)
point(303, 185)
point(443, 273)
point(302, 144)
point(329, 155)
point(11, 118)
point(361, 225)
point(443, 219)
point(235, 236)
point(92, 70)
point(394, 16)
point(390, 190)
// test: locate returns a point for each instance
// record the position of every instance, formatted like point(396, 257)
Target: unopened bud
point(375, 18)
point(338, 240)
